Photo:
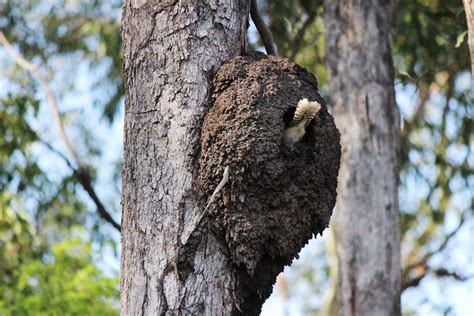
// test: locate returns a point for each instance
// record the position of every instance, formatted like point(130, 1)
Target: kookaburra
point(304, 113)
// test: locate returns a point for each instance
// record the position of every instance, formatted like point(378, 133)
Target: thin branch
point(225, 178)
point(296, 43)
point(440, 273)
point(199, 218)
point(415, 80)
point(81, 173)
point(52, 101)
point(443, 245)
point(422, 263)
point(410, 123)
point(85, 180)
point(262, 29)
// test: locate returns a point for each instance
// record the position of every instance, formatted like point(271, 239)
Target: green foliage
point(48, 34)
point(16, 240)
point(426, 34)
point(57, 207)
point(45, 269)
point(64, 283)
point(298, 31)
point(17, 136)
point(58, 280)
point(437, 135)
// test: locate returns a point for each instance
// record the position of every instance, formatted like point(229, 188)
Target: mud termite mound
point(277, 197)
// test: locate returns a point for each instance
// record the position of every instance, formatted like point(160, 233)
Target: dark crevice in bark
point(353, 294)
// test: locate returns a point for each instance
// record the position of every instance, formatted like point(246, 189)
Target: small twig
point(85, 181)
point(224, 180)
point(440, 273)
point(422, 263)
point(187, 234)
point(296, 43)
point(52, 101)
point(441, 247)
point(262, 28)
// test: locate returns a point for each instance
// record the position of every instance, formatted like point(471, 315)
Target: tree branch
point(52, 101)
point(440, 273)
point(424, 94)
point(422, 265)
point(81, 173)
point(84, 179)
point(262, 29)
point(296, 42)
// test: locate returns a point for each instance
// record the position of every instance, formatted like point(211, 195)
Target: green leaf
point(460, 39)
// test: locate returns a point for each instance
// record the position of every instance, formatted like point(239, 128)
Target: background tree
point(358, 55)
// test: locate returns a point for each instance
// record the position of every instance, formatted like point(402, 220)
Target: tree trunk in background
point(359, 59)
point(171, 51)
point(469, 9)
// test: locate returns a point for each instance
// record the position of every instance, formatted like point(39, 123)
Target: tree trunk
point(215, 202)
point(359, 59)
point(171, 50)
point(469, 9)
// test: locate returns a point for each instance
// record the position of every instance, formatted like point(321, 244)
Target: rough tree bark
point(359, 59)
point(469, 9)
point(171, 48)
point(186, 125)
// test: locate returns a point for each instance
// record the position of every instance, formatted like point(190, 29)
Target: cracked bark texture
point(171, 50)
point(359, 59)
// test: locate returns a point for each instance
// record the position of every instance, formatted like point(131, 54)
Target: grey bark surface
point(171, 49)
point(358, 56)
point(469, 10)
point(187, 121)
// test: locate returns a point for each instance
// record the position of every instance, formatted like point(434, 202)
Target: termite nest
point(277, 197)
